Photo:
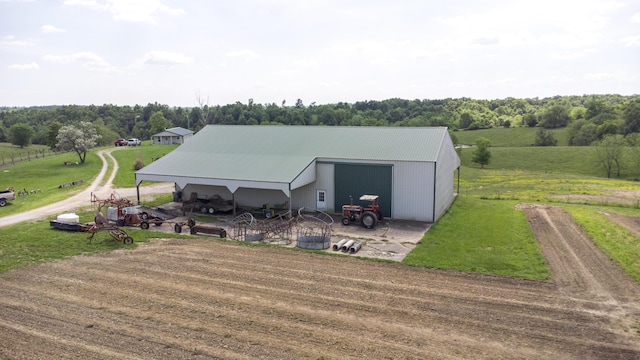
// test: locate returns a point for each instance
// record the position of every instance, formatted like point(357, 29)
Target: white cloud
point(523, 24)
point(24, 67)
point(604, 76)
point(484, 41)
point(47, 29)
point(145, 11)
point(89, 60)
point(10, 40)
point(635, 18)
point(631, 41)
point(165, 58)
point(246, 54)
point(572, 55)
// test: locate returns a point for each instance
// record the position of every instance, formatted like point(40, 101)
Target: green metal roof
point(281, 153)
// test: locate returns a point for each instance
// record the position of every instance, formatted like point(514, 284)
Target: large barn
point(316, 167)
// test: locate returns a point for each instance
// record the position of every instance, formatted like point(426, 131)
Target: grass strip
point(484, 236)
point(614, 240)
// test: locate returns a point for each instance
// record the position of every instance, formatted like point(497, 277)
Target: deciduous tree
point(158, 123)
point(52, 134)
point(21, 134)
point(632, 117)
point(545, 137)
point(482, 154)
point(79, 138)
point(555, 116)
point(609, 152)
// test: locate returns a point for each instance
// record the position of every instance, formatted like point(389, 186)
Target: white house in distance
point(173, 136)
point(317, 167)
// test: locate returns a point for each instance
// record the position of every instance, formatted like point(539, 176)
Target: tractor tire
point(193, 231)
point(191, 222)
point(3, 202)
point(177, 228)
point(346, 221)
point(223, 234)
point(380, 216)
point(211, 210)
point(204, 210)
point(144, 216)
point(127, 240)
point(144, 225)
point(369, 220)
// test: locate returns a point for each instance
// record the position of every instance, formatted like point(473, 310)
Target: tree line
point(589, 117)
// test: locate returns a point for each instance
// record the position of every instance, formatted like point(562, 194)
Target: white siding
point(303, 197)
point(448, 162)
point(413, 191)
point(306, 196)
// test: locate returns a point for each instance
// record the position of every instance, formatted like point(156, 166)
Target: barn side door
point(321, 200)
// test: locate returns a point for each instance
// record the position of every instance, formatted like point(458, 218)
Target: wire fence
point(21, 156)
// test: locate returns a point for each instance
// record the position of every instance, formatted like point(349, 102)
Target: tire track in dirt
point(224, 300)
point(579, 268)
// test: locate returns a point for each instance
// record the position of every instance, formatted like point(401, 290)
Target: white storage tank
point(70, 218)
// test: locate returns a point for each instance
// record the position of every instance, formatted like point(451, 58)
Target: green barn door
point(356, 180)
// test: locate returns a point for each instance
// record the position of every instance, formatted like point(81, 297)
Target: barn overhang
point(304, 177)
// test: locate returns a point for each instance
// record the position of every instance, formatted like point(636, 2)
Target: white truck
point(6, 195)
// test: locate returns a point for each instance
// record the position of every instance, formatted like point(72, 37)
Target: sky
point(195, 52)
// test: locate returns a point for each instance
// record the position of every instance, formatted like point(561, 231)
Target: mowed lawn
point(484, 236)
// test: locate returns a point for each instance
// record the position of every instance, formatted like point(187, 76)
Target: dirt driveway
point(196, 299)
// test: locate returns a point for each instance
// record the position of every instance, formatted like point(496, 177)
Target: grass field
point(127, 157)
point(35, 243)
point(489, 237)
point(45, 175)
point(511, 137)
point(9, 153)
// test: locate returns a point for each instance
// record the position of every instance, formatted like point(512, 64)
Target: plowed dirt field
point(192, 299)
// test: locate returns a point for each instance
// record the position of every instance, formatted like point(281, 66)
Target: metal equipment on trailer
point(211, 205)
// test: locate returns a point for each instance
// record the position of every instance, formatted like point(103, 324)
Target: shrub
point(139, 164)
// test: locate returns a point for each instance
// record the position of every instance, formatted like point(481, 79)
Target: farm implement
point(113, 230)
point(70, 222)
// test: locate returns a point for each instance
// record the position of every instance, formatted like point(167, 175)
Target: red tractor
point(368, 216)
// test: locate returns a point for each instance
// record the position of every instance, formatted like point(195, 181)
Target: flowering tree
point(79, 138)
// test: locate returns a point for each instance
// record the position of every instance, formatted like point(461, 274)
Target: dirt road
point(193, 299)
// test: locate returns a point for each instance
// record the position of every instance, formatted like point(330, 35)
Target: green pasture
point(127, 157)
point(44, 176)
point(511, 137)
point(551, 160)
point(9, 151)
